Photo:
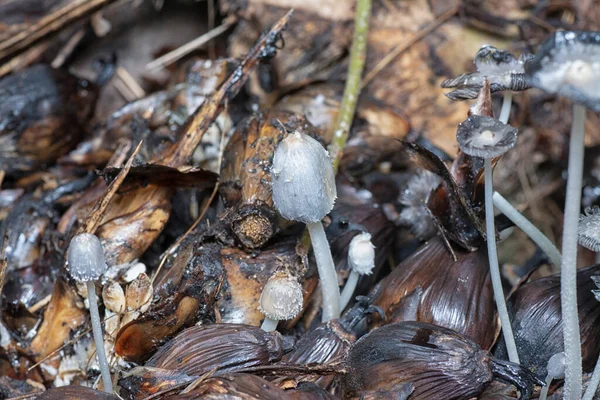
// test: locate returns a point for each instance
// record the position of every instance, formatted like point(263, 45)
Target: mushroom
point(85, 263)
point(485, 137)
point(568, 63)
point(504, 71)
point(589, 229)
point(556, 370)
point(304, 190)
point(280, 299)
point(361, 259)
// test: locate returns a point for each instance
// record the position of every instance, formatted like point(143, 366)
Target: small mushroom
point(304, 190)
point(361, 259)
point(556, 370)
point(414, 197)
point(281, 299)
point(486, 137)
point(568, 63)
point(85, 263)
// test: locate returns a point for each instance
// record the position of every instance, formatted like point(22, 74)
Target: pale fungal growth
point(304, 190)
point(85, 263)
point(589, 228)
point(486, 137)
point(556, 370)
point(504, 71)
point(361, 260)
point(138, 297)
point(281, 299)
point(596, 292)
point(414, 198)
point(568, 63)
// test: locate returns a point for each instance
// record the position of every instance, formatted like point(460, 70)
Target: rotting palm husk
point(111, 125)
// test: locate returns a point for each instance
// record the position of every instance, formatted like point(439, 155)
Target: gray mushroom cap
point(281, 298)
point(485, 137)
point(568, 63)
point(85, 260)
point(303, 179)
point(588, 234)
point(503, 70)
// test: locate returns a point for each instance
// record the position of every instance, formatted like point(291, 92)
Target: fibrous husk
point(431, 287)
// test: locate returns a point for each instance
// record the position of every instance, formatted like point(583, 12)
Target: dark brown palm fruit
point(328, 343)
point(535, 313)
point(234, 386)
point(431, 287)
point(438, 362)
point(401, 391)
point(75, 393)
point(220, 347)
point(186, 290)
point(246, 276)
point(246, 174)
point(42, 116)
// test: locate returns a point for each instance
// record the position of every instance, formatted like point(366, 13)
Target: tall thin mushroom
point(488, 138)
point(304, 190)
point(568, 63)
point(86, 264)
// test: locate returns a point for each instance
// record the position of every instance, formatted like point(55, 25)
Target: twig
point(101, 205)
point(68, 48)
point(2, 175)
point(436, 23)
point(198, 124)
point(187, 48)
point(341, 128)
point(130, 82)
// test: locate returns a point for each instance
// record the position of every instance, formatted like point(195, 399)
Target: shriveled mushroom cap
point(281, 297)
point(588, 233)
point(485, 137)
point(85, 261)
point(568, 63)
point(596, 292)
point(303, 179)
point(556, 366)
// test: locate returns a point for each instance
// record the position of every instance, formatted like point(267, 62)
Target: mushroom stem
point(505, 110)
point(592, 386)
point(349, 288)
point(568, 267)
point(269, 324)
point(526, 226)
point(490, 228)
point(327, 274)
point(544, 391)
point(99, 337)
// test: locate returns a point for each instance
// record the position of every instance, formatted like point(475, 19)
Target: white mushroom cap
point(556, 366)
point(588, 233)
point(568, 63)
point(281, 297)
point(361, 254)
point(85, 260)
point(303, 179)
point(485, 137)
point(596, 292)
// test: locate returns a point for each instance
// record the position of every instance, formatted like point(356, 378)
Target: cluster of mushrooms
point(284, 291)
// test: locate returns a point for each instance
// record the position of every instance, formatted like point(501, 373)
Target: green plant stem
point(358, 54)
point(490, 231)
point(568, 267)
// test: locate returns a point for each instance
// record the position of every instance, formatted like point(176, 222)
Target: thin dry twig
point(187, 48)
point(101, 206)
point(436, 23)
point(68, 48)
point(130, 82)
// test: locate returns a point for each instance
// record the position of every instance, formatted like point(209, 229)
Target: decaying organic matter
point(242, 162)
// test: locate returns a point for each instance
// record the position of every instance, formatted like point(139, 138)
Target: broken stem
point(358, 53)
